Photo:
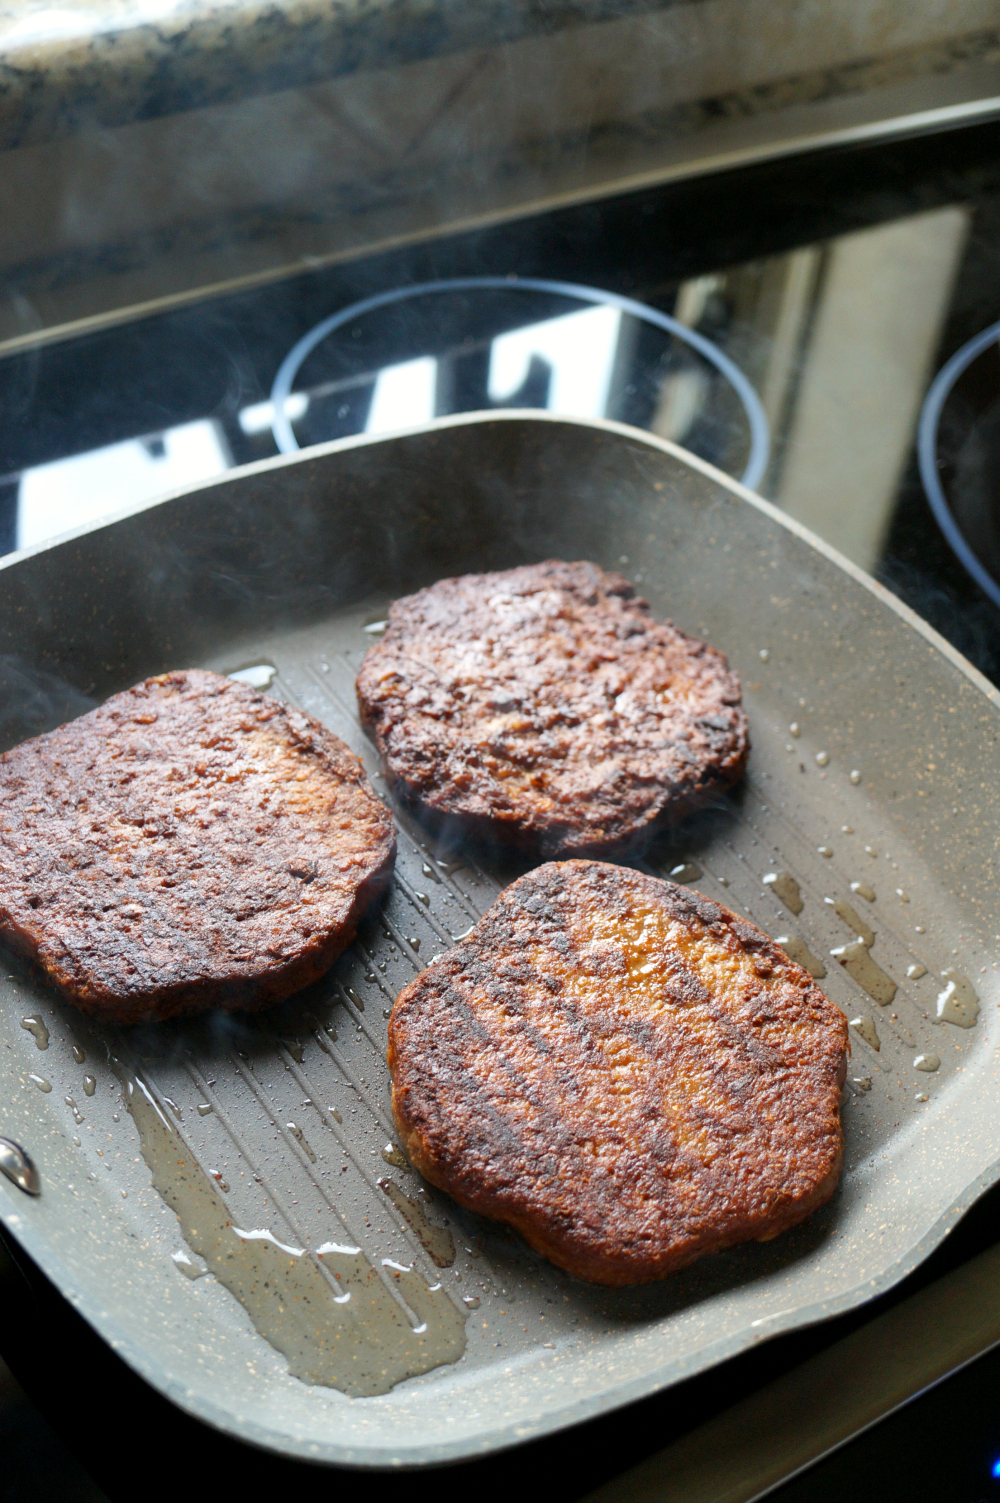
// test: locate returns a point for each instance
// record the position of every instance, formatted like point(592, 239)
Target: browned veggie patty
point(190, 844)
point(544, 707)
point(626, 1072)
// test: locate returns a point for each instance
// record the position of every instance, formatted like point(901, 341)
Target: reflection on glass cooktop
point(838, 284)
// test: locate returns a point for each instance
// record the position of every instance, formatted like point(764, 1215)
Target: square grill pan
point(874, 763)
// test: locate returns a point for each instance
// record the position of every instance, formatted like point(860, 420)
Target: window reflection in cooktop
point(838, 284)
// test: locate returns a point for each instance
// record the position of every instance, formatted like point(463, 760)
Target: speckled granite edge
point(857, 77)
point(115, 67)
point(463, 184)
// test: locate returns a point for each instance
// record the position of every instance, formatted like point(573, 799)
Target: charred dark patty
point(544, 707)
point(190, 844)
point(626, 1072)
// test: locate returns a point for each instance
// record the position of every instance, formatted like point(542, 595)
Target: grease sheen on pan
point(544, 707)
point(628, 1073)
point(190, 844)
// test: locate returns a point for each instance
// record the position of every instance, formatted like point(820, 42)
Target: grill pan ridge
point(287, 562)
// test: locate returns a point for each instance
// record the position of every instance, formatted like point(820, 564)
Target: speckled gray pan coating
point(288, 561)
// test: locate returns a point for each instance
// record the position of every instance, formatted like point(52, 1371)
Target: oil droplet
point(335, 1114)
point(258, 675)
point(414, 941)
point(914, 972)
point(919, 929)
point(688, 871)
point(865, 1028)
point(41, 1083)
point(822, 758)
point(76, 1142)
point(421, 897)
point(795, 729)
point(429, 871)
point(871, 851)
point(35, 1025)
point(375, 628)
point(764, 654)
point(393, 1154)
point(864, 891)
point(863, 1083)
point(796, 949)
point(355, 998)
point(859, 965)
point(958, 1003)
point(722, 881)
point(922, 1096)
point(855, 777)
point(352, 1336)
point(89, 1085)
point(825, 850)
point(16, 1164)
point(217, 1176)
point(846, 830)
point(187, 1266)
point(295, 1049)
point(471, 1300)
point(786, 888)
point(204, 1108)
point(928, 1062)
point(74, 1109)
point(852, 919)
point(302, 1141)
point(436, 1239)
point(901, 895)
point(78, 1054)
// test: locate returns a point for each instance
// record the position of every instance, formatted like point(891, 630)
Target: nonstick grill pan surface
point(212, 1191)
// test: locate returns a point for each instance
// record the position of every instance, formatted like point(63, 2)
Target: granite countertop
point(77, 64)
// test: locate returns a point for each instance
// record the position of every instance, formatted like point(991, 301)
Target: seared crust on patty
point(190, 844)
point(545, 708)
point(628, 1073)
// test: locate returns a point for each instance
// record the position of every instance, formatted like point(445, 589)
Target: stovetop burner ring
point(927, 453)
point(760, 438)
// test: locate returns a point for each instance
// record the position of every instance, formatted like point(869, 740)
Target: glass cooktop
point(835, 287)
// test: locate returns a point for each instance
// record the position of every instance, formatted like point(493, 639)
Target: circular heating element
point(474, 343)
point(959, 436)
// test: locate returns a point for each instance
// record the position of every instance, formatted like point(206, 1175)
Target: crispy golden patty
point(545, 708)
point(190, 844)
point(629, 1074)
